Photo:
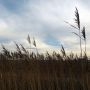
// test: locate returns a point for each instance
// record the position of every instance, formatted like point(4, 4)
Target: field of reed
point(26, 70)
point(29, 71)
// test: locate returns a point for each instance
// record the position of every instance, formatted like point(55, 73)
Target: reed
point(81, 34)
point(84, 36)
point(48, 74)
point(21, 70)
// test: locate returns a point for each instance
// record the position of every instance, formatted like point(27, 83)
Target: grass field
point(39, 72)
point(25, 70)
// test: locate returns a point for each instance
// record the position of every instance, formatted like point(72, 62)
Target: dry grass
point(24, 70)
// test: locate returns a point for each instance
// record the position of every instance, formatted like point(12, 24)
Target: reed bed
point(19, 71)
point(25, 70)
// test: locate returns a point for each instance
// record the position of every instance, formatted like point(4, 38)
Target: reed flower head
point(34, 42)
point(83, 33)
point(77, 19)
point(28, 39)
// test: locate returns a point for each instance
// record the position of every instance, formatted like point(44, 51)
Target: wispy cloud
point(43, 19)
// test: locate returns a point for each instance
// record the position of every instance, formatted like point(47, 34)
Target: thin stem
point(30, 48)
point(80, 43)
point(85, 47)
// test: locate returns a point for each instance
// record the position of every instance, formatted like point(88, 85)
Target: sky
point(43, 20)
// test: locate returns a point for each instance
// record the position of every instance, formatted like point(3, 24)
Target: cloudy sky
point(44, 20)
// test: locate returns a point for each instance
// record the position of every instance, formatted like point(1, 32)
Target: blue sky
point(13, 6)
point(44, 20)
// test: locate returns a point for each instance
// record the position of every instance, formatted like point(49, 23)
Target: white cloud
point(39, 18)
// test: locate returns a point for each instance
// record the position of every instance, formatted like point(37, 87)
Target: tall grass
point(77, 20)
point(84, 36)
point(21, 70)
point(47, 74)
point(81, 34)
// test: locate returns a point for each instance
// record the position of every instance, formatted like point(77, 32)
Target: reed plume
point(78, 27)
point(84, 36)
point(77, 21)
point(35, 45)
point(34, 42)
point(63, 51)
point(29, 41)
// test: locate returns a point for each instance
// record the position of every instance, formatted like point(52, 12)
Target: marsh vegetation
point(26, 70)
